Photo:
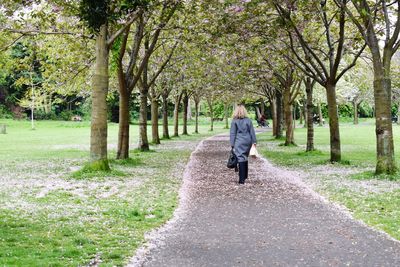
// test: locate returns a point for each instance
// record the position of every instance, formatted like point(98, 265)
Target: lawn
point(351, 183)
point(51, 217)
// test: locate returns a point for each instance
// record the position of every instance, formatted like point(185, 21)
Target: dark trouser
point(243, 171)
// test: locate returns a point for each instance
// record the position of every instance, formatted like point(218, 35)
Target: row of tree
point(213, 51)
point(318, 42)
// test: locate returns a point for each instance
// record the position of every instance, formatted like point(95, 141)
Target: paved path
point(273, 220)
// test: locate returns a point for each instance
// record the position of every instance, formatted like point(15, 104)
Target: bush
point(365, 110)
point(346, 110)
point(42, 115)
point(218, 110)
point(66, 115)
point(5, 113)
point(84, 109)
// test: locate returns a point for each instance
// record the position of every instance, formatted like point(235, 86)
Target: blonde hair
point(240, 112)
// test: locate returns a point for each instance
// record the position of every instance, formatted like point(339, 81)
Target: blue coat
point(242, 137)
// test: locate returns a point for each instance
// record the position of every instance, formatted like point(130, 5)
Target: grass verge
point(54, 212)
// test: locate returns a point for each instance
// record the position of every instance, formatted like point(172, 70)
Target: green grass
point(358, 145)
point(352, 182)
point(61, 214)
point(380, 210)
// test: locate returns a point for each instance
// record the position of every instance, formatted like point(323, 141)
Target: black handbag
point(232, 160)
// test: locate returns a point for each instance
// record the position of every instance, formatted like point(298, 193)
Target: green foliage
point(85, 109)
point(346, 110)
point(365, 110)
point(40, 114)
point(218, 109)
point(66, 115)
point(5, 113)
point(94, 13)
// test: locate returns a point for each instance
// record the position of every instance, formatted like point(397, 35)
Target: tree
point(322, 61)
point(309, 84)
point(369, 17)
point(149, 25)
point(99, 15)
point(356, 87)
point(290, 83)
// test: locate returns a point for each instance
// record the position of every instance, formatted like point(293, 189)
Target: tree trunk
point(185, 113)
point(333, 123)
point(294, 116)
point(279, 116)
point(165, 116)
point(385, 162)
point(258, 113)
point(301, 114)
point(288, 109)
point(262, 107)
point(226, 111)
point(321, 118)
point(355, 107)
point(212, 120)
point(189, 111)
point(309, 114)
point(176, 114)
point(154, 122)
point(210, 106)
point(305, 113)
point(196, 127)
point(143, 140)
point(98, 129)
point(384, 133)
point(274, 118)
point(124, 120)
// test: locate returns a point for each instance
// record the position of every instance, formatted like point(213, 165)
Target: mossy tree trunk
point(274, 116)
point(185, 112)
point(288, 110)
point(211, 113)
point(355, 114)
point(165, 115)
point(279, 116)
point(154, 121)
point(226, 113)
point(336, 154)
point(178, 99)
point(196, 107)
point(98, 129)
point(309, 83)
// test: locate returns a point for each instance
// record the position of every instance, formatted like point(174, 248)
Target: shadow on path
point(273, 220)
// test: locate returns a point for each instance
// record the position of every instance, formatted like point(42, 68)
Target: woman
point(242, 137)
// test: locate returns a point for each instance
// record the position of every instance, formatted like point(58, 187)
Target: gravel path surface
point(272, 220)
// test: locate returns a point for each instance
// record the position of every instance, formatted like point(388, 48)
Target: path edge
point(155, 237)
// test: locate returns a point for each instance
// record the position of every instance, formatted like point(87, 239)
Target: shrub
point(42, 115)
point(5, 113)
point(66, 115)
